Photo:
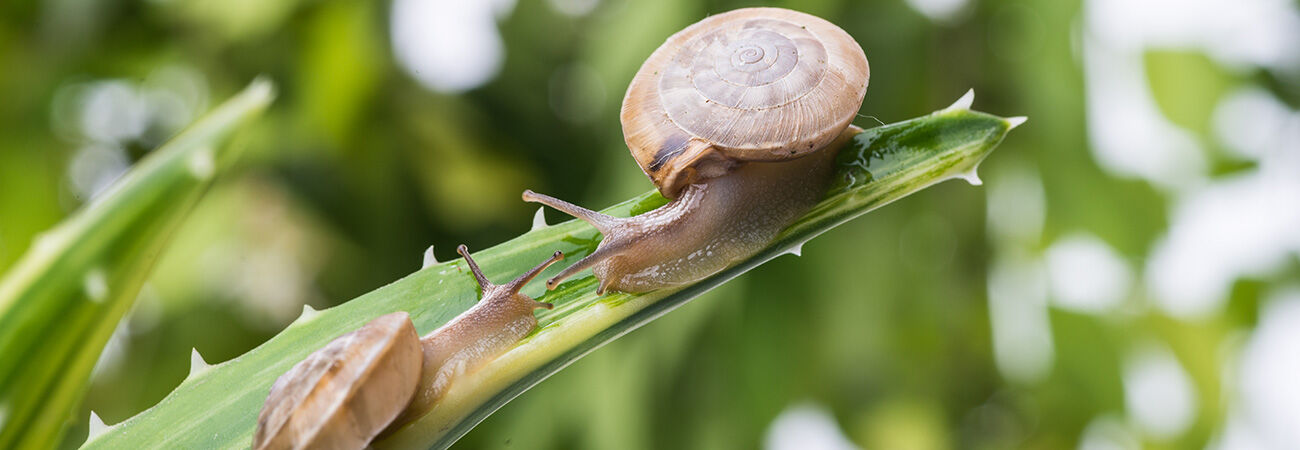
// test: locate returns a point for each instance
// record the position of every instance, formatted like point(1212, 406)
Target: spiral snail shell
point(754, 84)
point(736, 119)
point(344, 394)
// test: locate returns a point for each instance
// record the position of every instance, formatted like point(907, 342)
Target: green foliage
point(217, 407)
point(60, 303)
point(896, 325)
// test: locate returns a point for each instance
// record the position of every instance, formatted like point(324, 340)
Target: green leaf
point(218, 408)
point(61, 302)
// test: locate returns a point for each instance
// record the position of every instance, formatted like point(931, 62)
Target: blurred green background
point(1126, 278)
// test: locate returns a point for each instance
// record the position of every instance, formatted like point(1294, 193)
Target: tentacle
point(518, 284)
point(602, 222)
point(483, 282)
point(608, 248)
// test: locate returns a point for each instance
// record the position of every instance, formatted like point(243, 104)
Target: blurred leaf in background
point(60, 303)
point(1126, 279)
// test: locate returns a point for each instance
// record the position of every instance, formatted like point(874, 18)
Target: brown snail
point(381, 375)
point(736, 119)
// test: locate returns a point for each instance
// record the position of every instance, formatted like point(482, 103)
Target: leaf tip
point(964, 102)
point(1013, 122)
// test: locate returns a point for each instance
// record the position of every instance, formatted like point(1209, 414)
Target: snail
point(382, 375)
point(736, 119)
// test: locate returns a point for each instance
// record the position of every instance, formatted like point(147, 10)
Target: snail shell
point(753, 84)
point(344, 394)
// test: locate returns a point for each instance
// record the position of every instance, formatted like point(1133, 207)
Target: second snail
point(736, 119)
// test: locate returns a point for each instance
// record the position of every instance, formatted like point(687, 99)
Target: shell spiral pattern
point(763, 64)
point(755, 84)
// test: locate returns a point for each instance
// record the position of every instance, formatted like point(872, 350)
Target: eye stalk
point(511, 289)
point(619, 233)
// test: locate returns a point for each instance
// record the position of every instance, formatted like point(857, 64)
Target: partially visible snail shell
point(344, 394)
point(753, 84)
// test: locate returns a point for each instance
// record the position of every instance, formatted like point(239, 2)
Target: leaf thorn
point(971, 177)
point(429, 258)
point(1013, 122)
point(539, 219)
point(307, 313)
point(964, 102)
point(97, 427)
point(197, 364)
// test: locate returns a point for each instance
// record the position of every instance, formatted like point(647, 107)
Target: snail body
point(382, 375)
point(708, 228)
point(476, 336)
point(736, 119)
